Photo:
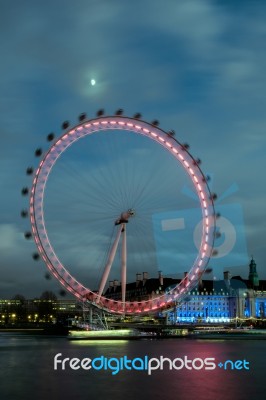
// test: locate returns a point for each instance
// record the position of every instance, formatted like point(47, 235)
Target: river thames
point(27, 369)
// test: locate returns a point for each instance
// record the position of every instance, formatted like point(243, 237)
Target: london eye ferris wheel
point(92, 200)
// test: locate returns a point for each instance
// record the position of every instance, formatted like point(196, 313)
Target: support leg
point(124, 266)
point(109, 264)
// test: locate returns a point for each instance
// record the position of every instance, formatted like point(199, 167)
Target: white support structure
point(121, 222)
point(124, 265)
point(109, 263)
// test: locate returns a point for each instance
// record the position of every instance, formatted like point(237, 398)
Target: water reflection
point(26, 370)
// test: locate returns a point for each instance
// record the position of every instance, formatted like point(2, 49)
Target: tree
point(48, 295)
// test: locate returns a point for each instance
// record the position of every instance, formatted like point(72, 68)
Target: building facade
point(210, 302)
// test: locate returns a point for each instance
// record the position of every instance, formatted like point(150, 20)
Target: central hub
point(124, 217)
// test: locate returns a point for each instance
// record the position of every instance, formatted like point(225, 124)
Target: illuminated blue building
point(223, 301)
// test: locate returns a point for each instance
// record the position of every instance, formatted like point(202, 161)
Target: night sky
point(196, 66)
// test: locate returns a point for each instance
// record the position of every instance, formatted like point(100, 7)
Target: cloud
point(9, 238)
point(199, 24)
point(199, 67)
